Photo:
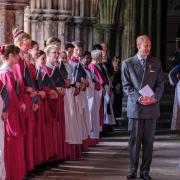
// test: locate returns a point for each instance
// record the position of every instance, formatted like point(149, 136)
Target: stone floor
point(109, 161)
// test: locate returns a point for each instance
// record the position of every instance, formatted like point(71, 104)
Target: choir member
point(72, 131)
point(47, 95)
point(40, 153)
point(52, 53)
point(27, 94)
point(3, 117)
point(81, 100)
point(14, 146)
point(94, 94)
point(96, 59)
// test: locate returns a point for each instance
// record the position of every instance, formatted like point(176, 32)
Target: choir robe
point(40, 153)
point(62, 69)
point(58, 110)
point(44, 83)
point(14, 146)
point(102, 82)
point(108, 109)
point(81, 103)
point(3, 108)
point(69, 152)
point(27, 117)
point(94, 95)
point(72, 131)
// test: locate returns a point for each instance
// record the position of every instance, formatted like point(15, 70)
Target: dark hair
point(8, 49)
point(40, 53)
point(52, 40)
point(86, 53)
point(97, 47)
point(116, 58)
point(34, 43)
point(68, 45)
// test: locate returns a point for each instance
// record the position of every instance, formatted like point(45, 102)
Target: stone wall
point(68, 20)
point(11, 15)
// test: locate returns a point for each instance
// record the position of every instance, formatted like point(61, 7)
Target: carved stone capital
point(78, 20)
point(106, 26)
point(93, 20)
point(13, 5)
point(65, 12)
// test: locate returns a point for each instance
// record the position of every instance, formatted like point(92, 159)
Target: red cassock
point(102, 81)
point(49, 148)
point(40, 146)
point(14, 146)
point(27, 117)
point(56, 107)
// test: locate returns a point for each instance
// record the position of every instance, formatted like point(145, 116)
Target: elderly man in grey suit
point(139, 71)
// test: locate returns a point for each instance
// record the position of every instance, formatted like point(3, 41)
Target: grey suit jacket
point(135, 77)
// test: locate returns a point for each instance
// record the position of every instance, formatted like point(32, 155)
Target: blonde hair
point(53, 41)
point(48, 48)
point(20, 35)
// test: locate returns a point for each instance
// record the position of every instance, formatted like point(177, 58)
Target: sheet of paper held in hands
point(146, 91)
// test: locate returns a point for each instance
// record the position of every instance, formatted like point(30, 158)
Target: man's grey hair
point(95, 54)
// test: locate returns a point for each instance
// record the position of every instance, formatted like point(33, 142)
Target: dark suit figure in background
point(142, 111)
point(116, 87)
point(175, 56)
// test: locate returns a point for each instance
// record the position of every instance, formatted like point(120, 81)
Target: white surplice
point(72, 128)
point(2, 166)
point(94, 101)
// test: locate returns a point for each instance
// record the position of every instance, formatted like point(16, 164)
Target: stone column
point(42, 4)
point(106, 29)
point(78, 24)
point(129, 29)
point(62, 29)
point(27, 23)
point(12, 15)
point(92, 22)
point(50, 24)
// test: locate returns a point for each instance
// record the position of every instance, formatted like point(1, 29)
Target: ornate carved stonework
point(68, 20)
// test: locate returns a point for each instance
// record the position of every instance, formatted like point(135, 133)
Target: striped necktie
point(143, 63)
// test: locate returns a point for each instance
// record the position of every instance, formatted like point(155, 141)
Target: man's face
point(144, 47)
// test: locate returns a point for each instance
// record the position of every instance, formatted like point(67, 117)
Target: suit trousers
point(141, 132)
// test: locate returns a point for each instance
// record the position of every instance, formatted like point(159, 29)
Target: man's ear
point(137, 46)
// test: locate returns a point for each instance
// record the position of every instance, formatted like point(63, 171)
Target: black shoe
point(145, 177)
point(131, 176)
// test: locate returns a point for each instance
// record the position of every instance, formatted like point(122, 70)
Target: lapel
point(147, 71)
point(143, 74)
point(137, 65)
